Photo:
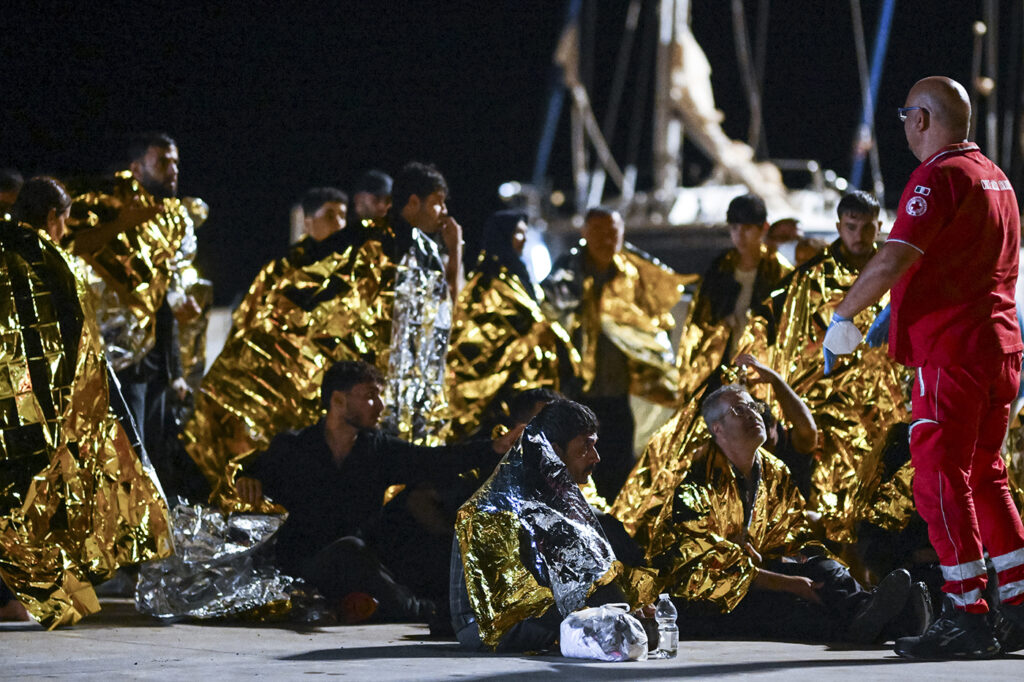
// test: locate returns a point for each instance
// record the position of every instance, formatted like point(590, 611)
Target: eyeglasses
point(755, 406)
point(903, 111)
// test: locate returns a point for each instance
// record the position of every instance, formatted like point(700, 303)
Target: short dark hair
point(10, 180)
point(562, 420)
point(316, 197)
point(859, 202)
point(37, 197)
point(139, 143)
point(747, 209)
point(520, 407)
point(421, 179)
point(375, 182)
point(342, 376)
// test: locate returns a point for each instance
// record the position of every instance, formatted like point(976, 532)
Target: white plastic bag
point(605, 633)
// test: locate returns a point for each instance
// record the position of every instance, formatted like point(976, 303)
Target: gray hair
point(714, 406)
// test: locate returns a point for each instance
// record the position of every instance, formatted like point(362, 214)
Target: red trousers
point(960, 415)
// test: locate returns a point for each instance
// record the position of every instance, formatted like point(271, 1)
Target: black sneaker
point(917, 614)
point(954, 634)
point(915, 617)
point(884, 604)
point(1010, 627)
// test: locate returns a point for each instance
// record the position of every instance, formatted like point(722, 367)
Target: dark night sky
point(268, 99)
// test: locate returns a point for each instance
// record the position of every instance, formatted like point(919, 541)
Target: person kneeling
point(741, 558)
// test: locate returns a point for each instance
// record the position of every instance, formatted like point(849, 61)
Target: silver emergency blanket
point(421, 324)
point(529, 540)
point(121, 328)
point(214, 572)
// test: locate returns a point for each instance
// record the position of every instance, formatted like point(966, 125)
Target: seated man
point(741, 558)
point(414, 538)
point(331, 478)
point(794, 445)
point(529, 548)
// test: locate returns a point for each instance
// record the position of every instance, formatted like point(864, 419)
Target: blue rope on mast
point(877, 60)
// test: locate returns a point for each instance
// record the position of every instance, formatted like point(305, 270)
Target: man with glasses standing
point(951, 262)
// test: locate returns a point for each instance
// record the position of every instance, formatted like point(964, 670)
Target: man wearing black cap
point(371, 197)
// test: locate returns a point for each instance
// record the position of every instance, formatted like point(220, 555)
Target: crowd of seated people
point(449, 442)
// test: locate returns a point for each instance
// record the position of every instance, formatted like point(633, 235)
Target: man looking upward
point(951, 262)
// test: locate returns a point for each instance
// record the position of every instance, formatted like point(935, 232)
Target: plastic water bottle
point(668, 632)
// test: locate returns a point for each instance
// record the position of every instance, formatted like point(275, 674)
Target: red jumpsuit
point(953, 318)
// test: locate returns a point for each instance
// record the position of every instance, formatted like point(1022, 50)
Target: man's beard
point(157, 188)
point(356, 423)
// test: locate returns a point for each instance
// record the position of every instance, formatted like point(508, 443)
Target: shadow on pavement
point(590, 669)
point(637, 671)
point(428, 650)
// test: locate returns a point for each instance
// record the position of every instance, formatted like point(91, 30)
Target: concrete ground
point(120, 643)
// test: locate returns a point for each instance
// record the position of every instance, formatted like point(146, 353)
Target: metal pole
point(665, 175)
point(747, 75)
point(1011, 90)
point(868, 115)
point(621, 69)
point(979, 30)
point(992, 67)
point(556, 98)
point(649, 50)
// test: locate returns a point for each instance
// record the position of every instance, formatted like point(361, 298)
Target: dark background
point(266, 99)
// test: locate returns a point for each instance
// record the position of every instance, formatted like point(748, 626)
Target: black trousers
point(5, 594)
point(347, 565)
point(781, 615)
point(614, 442)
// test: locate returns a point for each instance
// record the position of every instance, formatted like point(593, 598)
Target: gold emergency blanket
point(889, 504)
point(529, 541)
point(709, 335)
point(267, 378)
point(140, 266)
point(76, 501)
point(854, 407)
point(652, 482)
point(650, 486)
point(704, 558)
point(501, 344)
point(633, 311)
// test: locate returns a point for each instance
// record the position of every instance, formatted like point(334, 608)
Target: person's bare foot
point(13, 611)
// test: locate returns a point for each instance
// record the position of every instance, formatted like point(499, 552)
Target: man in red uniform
point(951, 262)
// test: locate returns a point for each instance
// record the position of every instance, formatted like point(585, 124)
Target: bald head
point(944, 116)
